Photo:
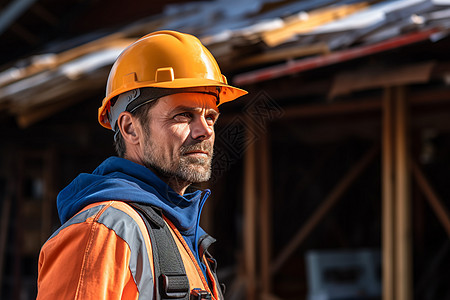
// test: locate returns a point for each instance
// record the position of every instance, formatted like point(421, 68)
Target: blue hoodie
point(120, 179)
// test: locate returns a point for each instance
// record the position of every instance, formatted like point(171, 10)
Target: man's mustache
point(204, 146)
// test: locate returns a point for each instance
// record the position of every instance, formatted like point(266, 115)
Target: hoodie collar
point(120, 179)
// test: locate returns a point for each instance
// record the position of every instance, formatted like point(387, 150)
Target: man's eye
point(211, 120)
point(181, 117)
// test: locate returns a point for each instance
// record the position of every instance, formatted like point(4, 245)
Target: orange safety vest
point(105, 252)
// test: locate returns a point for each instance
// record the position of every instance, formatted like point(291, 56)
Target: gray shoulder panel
point(127, 229)
point(79, 218)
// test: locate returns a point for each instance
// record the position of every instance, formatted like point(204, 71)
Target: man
point(161, 101)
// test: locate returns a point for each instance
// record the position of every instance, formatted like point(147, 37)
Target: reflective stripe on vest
point(128, 230)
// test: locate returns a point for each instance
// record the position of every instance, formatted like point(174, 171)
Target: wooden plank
point(302, 65)
point(367, 78)
point(324, 208)
point(306, 22)
point(111, 41)
point(55, 99)
point(403, 253)
point(349, 107)
point(265, 220)
point(419, 98)
point(52, 61)
point(278, 55)
point(433, 199)
point(55, 84)
point(388, 239)
point(430, 98)
point(249, 234)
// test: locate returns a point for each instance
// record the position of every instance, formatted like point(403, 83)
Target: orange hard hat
point(165, 59)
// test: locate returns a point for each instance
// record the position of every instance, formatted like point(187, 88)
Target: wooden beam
point(324, 208)
point(249, 234)
point(388, 209)
point(302, 65)
point(53, 61)
point(281, 55)
point(306, 22)
point(403, 253)
point(366, 78)
point(265, 220)
point(433, 199)
point(356, 106)
point(327, 109)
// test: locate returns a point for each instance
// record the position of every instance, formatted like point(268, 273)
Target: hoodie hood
point(120, 179)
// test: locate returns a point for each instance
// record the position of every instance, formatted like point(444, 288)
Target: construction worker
point(130, 225)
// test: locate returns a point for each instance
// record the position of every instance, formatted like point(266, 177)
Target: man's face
point(179, 136)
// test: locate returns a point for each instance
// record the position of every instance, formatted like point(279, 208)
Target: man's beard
point(186, 168)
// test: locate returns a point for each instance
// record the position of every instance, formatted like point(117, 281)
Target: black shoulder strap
point(171, 279)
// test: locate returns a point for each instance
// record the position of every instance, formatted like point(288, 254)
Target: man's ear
point(128, 126)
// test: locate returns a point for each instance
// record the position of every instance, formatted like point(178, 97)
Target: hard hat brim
point(228, 93)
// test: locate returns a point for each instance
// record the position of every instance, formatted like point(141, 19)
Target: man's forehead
point(192, 100)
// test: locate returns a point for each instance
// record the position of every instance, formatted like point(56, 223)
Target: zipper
point(205, 195)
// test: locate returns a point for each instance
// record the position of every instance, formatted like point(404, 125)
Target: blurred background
point(331, 178)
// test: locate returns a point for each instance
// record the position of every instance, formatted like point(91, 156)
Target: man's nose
point(200, 129)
